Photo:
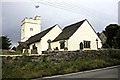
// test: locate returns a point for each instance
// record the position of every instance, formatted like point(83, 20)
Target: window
point(62, 44)
point(31, 29)
point(86, 44)
point(81, 45)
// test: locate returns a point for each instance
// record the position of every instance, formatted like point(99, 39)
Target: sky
point(99, 13)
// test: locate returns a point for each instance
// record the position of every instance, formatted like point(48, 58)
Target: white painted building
point(80, 35)
point(40, 40)
point(30, 27)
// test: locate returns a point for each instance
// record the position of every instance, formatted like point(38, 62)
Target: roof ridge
point(68, 31)
point(75, 23)
point(38, 36)
point(45, 30)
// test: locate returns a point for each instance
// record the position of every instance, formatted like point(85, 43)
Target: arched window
point(62, 44)
point(81, 45)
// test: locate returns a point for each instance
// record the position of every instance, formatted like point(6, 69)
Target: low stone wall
point(72, 55)
point(61, 55)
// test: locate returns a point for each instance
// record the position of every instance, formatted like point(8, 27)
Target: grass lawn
point(34, 69)
point(10, 53)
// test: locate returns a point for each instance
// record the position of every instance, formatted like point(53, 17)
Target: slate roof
point(38, 36)
point(68, 31)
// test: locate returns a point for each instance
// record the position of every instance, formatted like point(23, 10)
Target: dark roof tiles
point(38, 36)
point(68, 31)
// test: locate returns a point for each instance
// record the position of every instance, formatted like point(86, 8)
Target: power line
point(70, 9)
point(76, 9)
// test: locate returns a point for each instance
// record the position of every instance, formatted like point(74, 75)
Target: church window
point(86, 44)
point(81, 45)
point(62, 44)
point(31, 29)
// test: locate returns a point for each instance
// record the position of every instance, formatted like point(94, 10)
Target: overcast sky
point(99, 13)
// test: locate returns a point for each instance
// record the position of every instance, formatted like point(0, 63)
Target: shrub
point(115, 54)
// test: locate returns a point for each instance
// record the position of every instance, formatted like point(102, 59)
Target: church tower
point(30, 27)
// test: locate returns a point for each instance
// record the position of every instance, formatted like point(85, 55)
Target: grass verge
point(34, 69)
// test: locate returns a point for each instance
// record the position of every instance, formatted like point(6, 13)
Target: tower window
point(31, 29)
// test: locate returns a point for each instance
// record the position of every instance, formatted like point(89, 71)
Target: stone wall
point(62, 55)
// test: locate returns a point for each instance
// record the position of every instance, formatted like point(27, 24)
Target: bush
point(115, 54)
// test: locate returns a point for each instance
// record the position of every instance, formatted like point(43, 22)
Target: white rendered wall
point(35, 24)
point(85, 32)
point(38, 45)
point(57, 44)
point(42, 45)
point(50, 35)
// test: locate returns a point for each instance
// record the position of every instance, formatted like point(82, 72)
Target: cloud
point(14, 12)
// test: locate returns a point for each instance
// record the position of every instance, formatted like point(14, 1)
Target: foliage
point(105, 45)
point(24, 68)
point(115, 53)
point(5, 42)
point(37, 69)
point(118, 38)
point(112, 33)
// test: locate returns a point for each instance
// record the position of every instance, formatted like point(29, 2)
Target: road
point(112, 73)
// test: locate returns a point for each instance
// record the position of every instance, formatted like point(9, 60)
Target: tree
point(111, 32)
point(118, 38)
point(5, 42)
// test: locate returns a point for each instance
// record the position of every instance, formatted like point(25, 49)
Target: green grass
point(14, 69)
point(10, 53)
point(26, 68)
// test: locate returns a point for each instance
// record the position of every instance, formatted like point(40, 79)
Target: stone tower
point(30, 27)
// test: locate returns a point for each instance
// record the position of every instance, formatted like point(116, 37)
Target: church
point(77, 36)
